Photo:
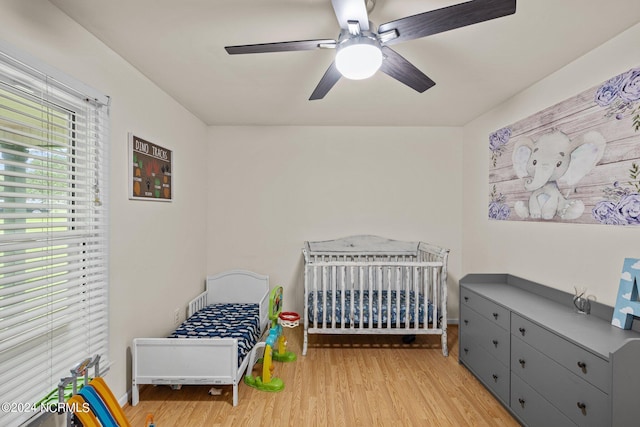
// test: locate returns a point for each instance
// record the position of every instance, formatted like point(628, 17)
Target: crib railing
point(342, 287)
point(343, 293)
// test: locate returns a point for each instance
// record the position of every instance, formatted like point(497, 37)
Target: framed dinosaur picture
point(577, 161)
point(150, 170)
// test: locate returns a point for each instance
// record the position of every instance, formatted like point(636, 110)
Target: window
point(53, 230)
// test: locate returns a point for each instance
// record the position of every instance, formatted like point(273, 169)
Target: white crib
point(372, 285)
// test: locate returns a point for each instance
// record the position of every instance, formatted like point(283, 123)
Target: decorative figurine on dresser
point(547, 363)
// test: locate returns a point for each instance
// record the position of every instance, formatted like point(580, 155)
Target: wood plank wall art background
point(576, 162)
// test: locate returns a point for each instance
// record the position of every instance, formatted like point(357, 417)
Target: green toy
point(275, 339)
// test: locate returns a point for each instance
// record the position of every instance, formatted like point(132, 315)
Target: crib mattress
point(380, 313)
point(236, 320)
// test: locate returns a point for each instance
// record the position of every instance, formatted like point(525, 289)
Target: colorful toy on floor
point(288, 319)
point(275, 340)
point(93, 403)
point(149, 421)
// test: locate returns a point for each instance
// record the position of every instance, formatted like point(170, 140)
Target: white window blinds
point(53, 231)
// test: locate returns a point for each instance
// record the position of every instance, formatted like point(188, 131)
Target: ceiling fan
point(361, 51)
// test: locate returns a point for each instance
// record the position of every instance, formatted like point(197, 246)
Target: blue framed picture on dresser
point(627, 303)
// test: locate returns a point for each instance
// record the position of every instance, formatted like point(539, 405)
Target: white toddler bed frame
point(189, 361)
point(344, 270)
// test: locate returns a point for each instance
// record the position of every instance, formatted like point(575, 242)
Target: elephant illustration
point(554, 158)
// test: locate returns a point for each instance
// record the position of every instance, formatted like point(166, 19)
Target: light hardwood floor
point(342, 381)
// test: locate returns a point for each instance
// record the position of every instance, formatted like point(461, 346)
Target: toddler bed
point(213, 345)
point(372, 285)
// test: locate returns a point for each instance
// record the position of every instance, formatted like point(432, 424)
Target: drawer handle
point(495, 378)
point(583, 408)
point(521, 400)
point(466, 299)
point(495, 343)
point(466, 322)
point(522, 362)
point(495, 316)
point(522, 331)
point(582, 366)
point(466, 350)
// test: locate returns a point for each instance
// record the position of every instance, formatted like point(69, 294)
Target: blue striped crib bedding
point(234, 320)
point(344, 316)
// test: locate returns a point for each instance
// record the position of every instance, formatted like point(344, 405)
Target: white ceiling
point(179, 45)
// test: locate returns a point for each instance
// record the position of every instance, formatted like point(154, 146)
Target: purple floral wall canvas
point(577, 161)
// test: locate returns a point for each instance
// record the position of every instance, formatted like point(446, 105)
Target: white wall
point(272, 188)
point(157, 249)
point(557, 255)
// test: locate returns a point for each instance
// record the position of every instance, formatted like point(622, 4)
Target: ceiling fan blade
point(330, 78)
point(396, 66)
point(278, 47)
point(351, 10)
point(447, 18)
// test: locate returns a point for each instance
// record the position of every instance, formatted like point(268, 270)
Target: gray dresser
point(546, 363)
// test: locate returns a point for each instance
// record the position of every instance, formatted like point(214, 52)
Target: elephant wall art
point(551, 160)
point(577, 161)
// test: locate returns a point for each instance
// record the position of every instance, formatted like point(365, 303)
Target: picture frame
point(574, 162)
point(150, 170)
point(627, 303)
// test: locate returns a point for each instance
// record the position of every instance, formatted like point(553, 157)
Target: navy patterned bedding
point(346, 318)
point(236, 320)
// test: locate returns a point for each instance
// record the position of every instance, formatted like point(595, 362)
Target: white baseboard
point(123, 400)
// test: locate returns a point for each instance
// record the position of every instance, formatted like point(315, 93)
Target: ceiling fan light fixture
point(359, 47)
point(358, 58)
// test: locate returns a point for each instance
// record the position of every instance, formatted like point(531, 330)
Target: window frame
point(83, 195)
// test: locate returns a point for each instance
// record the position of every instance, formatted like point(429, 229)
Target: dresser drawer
point(534, 409)
point(487, 308)
point(580, 401)
point(493, 338)
point(493, 374)
point(579, 361)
